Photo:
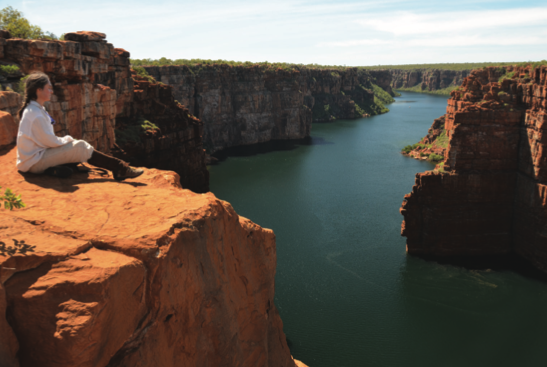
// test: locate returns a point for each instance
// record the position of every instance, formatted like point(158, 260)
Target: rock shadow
point(71, 184)
point(267, 147)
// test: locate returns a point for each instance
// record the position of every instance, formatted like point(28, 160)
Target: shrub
point(11, 201)
point(436, 157)
point(133, 133)
point(407, 149)
point(13, 21)
point(7, 70)
point(143, 73)
point(442, 140)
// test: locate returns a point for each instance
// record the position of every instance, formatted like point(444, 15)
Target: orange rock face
point(8, 129)
point(491, 200)
point(137, 273)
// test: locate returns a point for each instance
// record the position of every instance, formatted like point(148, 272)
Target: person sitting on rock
point(40, 151)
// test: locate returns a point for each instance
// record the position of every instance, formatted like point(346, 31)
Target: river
point(346, 290)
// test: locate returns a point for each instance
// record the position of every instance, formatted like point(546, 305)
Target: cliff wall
point(140, 273)
point(243, 105)
point(93, 87)
point(427, 79)
point(491, 197)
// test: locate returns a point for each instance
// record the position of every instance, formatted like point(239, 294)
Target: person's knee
point(84, 148)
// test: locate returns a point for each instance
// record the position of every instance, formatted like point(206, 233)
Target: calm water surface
point(347, 292)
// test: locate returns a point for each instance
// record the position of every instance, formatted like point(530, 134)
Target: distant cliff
point(427, 79)
point(248, 104)
point(491, 195)
point(95, 97)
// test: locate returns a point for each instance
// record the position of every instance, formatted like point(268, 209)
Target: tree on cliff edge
point(13, 21)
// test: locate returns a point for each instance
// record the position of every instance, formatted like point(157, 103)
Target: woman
point(39, 150)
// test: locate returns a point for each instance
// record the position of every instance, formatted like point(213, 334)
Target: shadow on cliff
point(267, 147)
point(71, 184)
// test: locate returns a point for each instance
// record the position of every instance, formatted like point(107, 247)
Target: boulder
point(8, 129)
point(85, 36)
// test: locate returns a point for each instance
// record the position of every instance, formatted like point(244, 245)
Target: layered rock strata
point(492, 197)
point(138, 273)
point(243, 105)
point(427, 79)
point(94, 87)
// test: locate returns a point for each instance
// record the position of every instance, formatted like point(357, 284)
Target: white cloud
point(351, 43)
point(305, 31)
point(411, 23)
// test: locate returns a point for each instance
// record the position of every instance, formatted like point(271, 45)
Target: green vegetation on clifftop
point(446, 66)
point(13, 21)
point(418, 88)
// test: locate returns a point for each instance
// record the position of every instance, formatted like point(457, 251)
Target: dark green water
point(347, 292)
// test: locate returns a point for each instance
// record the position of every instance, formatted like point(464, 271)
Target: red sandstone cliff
point(243, 105)
point(137, 273)
point(94, 88)
point(492, 199)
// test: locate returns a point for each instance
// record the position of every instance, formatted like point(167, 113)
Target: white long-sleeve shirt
point(35, 136)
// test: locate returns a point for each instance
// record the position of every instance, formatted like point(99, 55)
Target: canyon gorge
point(489, 196)
point(184, 279)
point(242, 105)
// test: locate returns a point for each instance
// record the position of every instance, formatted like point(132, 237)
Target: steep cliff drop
point(137, 273)
point(492, 197)
point(94, 89)
point(242, 105)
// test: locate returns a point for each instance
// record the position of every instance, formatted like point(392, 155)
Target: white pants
point(74, 152)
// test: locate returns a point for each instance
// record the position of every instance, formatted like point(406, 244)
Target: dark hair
point(34, 81)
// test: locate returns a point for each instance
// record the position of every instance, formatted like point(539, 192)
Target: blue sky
point(323, 32)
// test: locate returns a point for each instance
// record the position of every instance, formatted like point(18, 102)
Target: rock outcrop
point(242, 105)
point(427, 79)
point(134, 273)
point(492, 198)
point(433, 145)
point(94, 88)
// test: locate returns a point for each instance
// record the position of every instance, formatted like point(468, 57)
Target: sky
point(352, 33)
